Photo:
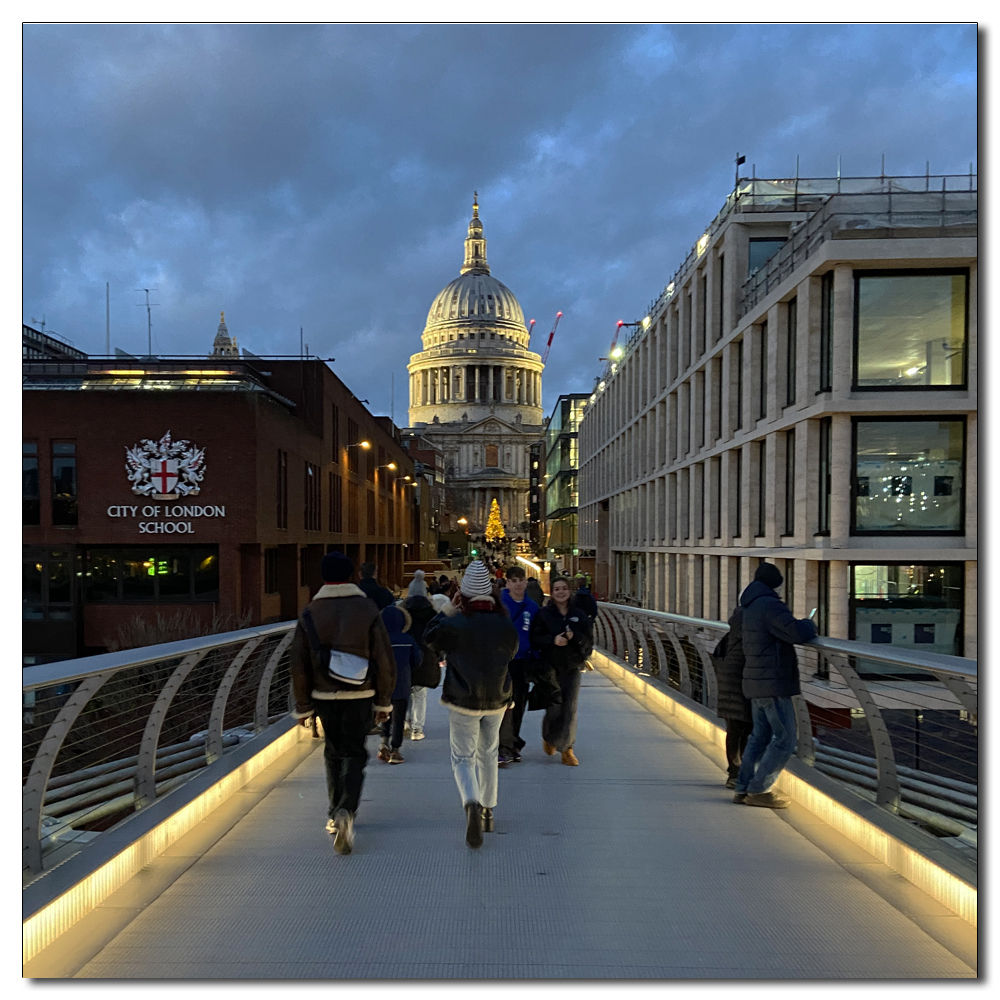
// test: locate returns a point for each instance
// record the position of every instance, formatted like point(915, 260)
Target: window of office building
point(762, 374)
point(271, 571)
point(336, 502)
point(47, 590)
point(761, 251)
point(790, 482)
point(281, 489)
point(64, 506)
point(738, 422)
point(352, 509)
point(913, 606)
point(909, 475)
point(30, 493)
point(761, 487)
point(311, 491)
point(791, 334)
point(825, 475)
point(910, 329)
point(371, 520)
point(353, 446)
point(826, 332)
point(335, 434)
point(738, 505)
point(721, 275)
point(152, 574)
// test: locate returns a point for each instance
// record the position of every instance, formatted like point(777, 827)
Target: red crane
point(552, 333)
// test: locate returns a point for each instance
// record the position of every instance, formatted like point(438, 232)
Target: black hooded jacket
point(548, 624)
point(729, 661)
point(478, 648)
point(769, 633)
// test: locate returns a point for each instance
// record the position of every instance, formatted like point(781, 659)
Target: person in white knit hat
point(478, 645)
point(418, 585)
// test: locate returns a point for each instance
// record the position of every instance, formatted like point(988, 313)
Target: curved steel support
point(213, 739)
point(622, 636)
point(806, 749)
point(887, 794)
point(264, 688)
point(145, 775)
point(682, 663)
point(968, 699)
point(701, 642)
point(41, 767)
point(663, 670)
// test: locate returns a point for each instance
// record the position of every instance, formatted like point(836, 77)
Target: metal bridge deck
point(634, 865)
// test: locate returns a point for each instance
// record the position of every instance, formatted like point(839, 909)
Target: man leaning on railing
point(770, 680)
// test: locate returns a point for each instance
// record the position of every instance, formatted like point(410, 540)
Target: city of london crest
point(165, 469)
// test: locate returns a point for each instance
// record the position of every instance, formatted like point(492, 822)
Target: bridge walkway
point(634, 865)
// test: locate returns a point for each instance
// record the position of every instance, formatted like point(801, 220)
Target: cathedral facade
point(476, 393)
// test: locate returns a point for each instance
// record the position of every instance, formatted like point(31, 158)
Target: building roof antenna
point(149, 317)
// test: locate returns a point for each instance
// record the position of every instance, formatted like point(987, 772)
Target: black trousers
point(392, 729)
point(737, 733)
point(510, 727)
point(345, 725)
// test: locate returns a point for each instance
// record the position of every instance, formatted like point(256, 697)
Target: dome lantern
point(475, 243)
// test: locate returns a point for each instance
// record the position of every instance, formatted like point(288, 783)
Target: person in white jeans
point(475, 740)
point(477, 645)
point(416, 714)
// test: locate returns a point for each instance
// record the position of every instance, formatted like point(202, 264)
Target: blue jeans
point(475, 740)
point(418, 708)
point(772, 742)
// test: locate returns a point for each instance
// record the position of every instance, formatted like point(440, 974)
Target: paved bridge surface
point(634, 865)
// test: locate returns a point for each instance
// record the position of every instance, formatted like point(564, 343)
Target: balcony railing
point(900, 727)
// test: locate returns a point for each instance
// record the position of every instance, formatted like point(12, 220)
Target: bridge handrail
point(840, 679)
point(938, 663)
point(93, 728)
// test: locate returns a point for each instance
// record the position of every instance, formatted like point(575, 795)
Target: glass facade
point(910, 329)
point(167, 574)
point(64, 505)
point(30, 495)
point(761, 251)
point(909, 475)
point(562, 465)
point(912, 606)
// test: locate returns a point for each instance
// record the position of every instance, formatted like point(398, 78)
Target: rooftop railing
point(105, 736)
point(898, 726)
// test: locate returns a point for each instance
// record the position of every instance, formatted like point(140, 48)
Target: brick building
point(210, 484)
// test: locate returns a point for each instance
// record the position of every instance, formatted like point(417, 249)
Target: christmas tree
point(494, 527)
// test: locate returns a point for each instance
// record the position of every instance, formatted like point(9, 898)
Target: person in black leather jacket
point(478, 645)
point(562, 635)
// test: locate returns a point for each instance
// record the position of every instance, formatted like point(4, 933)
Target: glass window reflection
point(908, 475)
point(910, 329)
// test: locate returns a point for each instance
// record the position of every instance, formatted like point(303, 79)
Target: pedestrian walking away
point(342, 660)
point(421, 611)
point(418, 585)
point(732, 704)
point(477, 645)
point(584, 599)
point(522, 610)
point(535, 592)
point(770, 681)
point(408, 655)
point(372, 588)
point(562, 635)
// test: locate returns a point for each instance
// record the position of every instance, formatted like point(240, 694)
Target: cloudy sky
point(322, 176)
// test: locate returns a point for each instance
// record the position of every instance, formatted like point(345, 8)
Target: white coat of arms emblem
point(165, 469)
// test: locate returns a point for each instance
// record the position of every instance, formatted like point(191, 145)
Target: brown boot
point(548, 748)
point(568, 757)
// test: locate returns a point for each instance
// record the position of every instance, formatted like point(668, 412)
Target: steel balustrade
point(93, 727)
point(848, 688)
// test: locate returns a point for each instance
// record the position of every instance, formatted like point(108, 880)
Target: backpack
point(343, 667)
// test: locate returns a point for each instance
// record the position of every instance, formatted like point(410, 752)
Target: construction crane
point(552, 333)
point(531, 326)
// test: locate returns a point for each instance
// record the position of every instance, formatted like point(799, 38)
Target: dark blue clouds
point(322, 175)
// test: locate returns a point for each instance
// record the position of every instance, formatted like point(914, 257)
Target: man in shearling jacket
point(343, 619)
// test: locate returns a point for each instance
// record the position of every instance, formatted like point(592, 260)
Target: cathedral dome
point(476, 299)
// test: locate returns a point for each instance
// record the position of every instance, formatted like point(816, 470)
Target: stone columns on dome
point(489, 383)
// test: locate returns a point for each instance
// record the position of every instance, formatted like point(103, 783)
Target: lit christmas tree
point(494, 527)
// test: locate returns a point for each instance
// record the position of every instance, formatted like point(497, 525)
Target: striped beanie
point(476, 580)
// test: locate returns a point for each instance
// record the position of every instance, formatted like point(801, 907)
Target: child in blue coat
point(408, 655)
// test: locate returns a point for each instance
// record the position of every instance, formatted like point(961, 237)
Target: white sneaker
point(331, 827)
point(406, 728)
point(416, 735)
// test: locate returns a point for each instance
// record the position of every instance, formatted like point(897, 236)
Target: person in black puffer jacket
point(770, 681)
point(561, 633)
point(478, 645)
point(732, 704)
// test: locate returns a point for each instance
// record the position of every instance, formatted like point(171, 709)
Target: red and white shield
point(163, 473)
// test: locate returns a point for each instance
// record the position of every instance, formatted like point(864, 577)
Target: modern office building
point(208, 484)
point(561, 454)
point(803, 391)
